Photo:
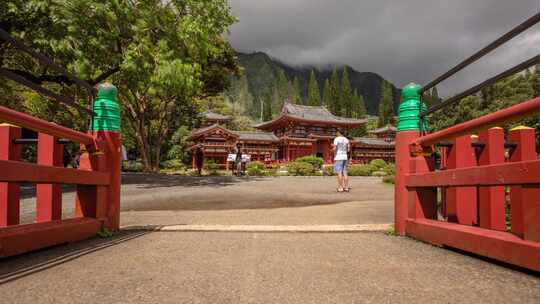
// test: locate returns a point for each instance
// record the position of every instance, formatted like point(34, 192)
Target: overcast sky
point(403, 41)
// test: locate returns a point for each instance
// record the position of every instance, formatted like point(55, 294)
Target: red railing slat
point(526, 108)
point(13, 171)
point(40, 125)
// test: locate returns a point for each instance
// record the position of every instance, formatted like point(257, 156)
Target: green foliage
point(297, 168)
point(389, 169)
point(386, 105)
point(173, 164)
point(326, 101)
point(104, 232)
point(256, 168)
point(359, 170)
point(346, 96)
point(334, 94)
point(162, 56)
point(178, 143)
point(314, 93)
point(213, 167)
point(377, 164)
point(391, 231)
point(315, 161)
point(296, 97)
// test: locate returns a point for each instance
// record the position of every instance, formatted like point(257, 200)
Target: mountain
point(262, 71)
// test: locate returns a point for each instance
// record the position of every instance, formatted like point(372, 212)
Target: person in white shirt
point(341, 147)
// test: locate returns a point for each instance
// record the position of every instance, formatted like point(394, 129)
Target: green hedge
point(359, 170)
point(256, 168)
point(212, 167)
point(297, 168)
point(315, 161)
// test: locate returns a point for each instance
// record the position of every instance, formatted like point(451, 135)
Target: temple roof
point(203, 130)
point(209, 115)
point(373, 141)
point(312, 114)
point(259, 136)
point(384, 129)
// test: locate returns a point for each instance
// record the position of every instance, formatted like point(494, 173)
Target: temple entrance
point(323, 150)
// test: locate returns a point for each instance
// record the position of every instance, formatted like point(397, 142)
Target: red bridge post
point(9, 192)
point(461, 202)
point(49, 196)
point(525, 141)
point(491, 200)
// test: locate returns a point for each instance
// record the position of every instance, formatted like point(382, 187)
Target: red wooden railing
point(97, 181)
point(472, 181)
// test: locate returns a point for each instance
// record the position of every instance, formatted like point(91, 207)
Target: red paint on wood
point(24, 172)
point(9, 192)
point(24, 238)
point(422, 201)
point(498, 245)
point(525, 141)
point(49, 196)
point(40, 125)
point(519, 173)
point(461, 202)
point(403, 167)
point(531, 216)
point(525, 108)
point(491, 200)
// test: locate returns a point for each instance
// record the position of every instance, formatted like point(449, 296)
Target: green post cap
point(107, 117)
point(409, 109)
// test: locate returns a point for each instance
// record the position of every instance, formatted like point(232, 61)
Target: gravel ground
point(210, 267)
point(169, 200)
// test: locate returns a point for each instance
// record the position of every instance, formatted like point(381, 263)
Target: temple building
point(307, 130)
point(298, 131)
point(380, 146)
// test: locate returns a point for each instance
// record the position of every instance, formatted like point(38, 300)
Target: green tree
point(296, 94)
point(334, 94)
point(326, 94)
point(314, 93)
point(359, 106)
point(267, 107)
point(163, 56)
point(386, 108)
point(282, 84)
point(346, 97)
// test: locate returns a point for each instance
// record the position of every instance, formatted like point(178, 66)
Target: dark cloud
point(413, 40)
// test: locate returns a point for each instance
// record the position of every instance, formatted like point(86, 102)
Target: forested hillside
point(266, 78)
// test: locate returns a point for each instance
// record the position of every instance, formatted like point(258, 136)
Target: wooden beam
point(502, 246)
point(13, 171)
point(24, 238)
point(518, 173)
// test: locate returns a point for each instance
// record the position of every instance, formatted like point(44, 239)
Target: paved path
point(221, 267)
point(205, 240)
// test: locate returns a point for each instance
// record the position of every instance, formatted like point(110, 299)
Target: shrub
point(379, 173)
point(213, 167)
point(328, 170)
point(301, 169)
point(133, 167)
point(377, 164)
point(175, 164)
point(359, 170)
point(256, 168)
point(390, 179)
point(315, 161)
point(390, 169)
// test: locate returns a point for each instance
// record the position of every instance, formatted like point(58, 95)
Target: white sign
point(232, 157)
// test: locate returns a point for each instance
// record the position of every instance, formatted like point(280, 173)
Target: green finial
point(409, 109)
point(107, 117)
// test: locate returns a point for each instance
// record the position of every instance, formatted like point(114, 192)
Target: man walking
point(340, 148)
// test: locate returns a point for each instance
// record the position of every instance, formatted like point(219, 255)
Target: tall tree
point(386, 107)
point(267, 107)
point(334, 96)
point(314, 93)
point(164, 57)
point(282, 84)
point(346, 94)
point(297, 97)
point(359, 105)
point(326, 94)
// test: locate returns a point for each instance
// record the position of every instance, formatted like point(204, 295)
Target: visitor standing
point(340, 148)
point(238, 160)
point(199, 158)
